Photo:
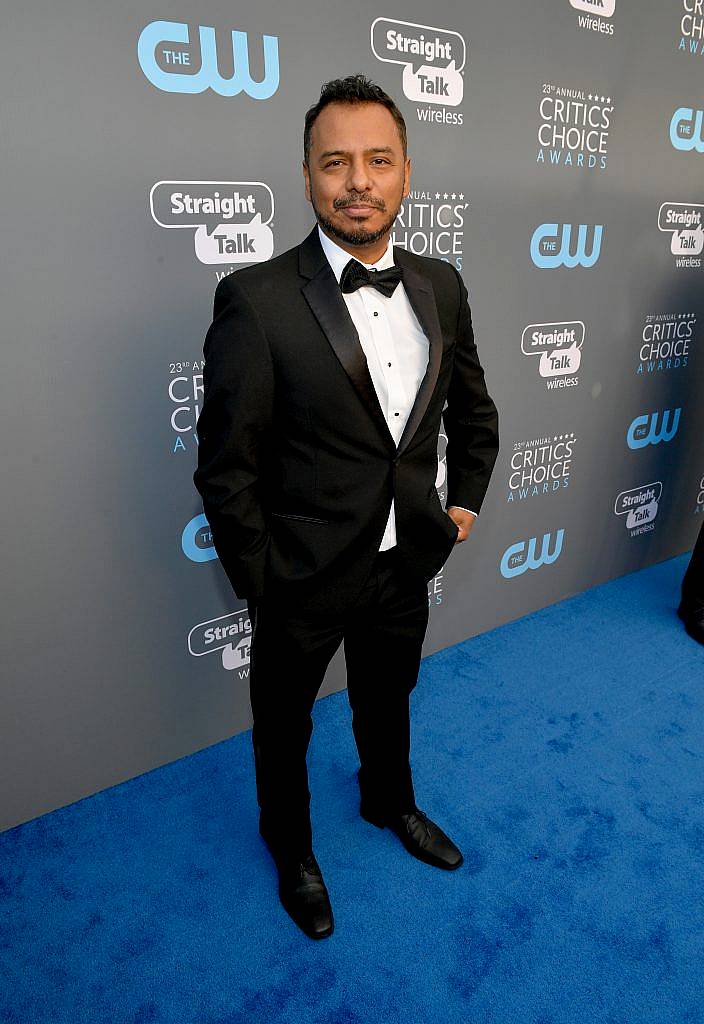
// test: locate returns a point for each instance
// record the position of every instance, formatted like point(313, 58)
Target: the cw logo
point(517, 558)
point(178, 59)
point(544, 246)
point(197, 540)
point(645, 430)
point(686, 129)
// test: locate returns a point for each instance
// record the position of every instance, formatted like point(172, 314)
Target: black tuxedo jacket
point(296, 464)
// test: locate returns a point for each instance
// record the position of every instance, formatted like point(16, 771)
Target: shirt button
point(388, 364)
point(375, 313)
point(397, 414)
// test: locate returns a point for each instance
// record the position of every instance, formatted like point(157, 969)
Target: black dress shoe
point(421, 837)
point(693, 619)
point(304, 896)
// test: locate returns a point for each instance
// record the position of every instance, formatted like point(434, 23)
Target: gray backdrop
point(123, 645)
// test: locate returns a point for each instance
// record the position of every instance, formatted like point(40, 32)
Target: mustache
point(340, 204)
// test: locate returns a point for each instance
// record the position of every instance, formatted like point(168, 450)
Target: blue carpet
point(563, 752)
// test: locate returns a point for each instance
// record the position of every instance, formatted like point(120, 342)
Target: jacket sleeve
point(471, 418)
point(233, 431)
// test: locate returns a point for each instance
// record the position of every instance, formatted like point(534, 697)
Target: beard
point(359, 235)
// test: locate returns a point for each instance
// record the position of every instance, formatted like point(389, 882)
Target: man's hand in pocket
point(463, 520)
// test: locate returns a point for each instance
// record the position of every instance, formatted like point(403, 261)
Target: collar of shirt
point(338, 258)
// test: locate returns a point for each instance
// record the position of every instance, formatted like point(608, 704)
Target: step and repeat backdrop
point(150, 148)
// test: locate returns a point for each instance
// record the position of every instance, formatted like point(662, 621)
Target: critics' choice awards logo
point(692, 27)
point(665, 341)
point(640, 507)
point(686, 130)
point(594, 15)
point(230, 219)
point(173, 63)
point(573, 127)
point(185, 389)
point(524, 555)
point(431, 223)
point(432, 60)
point(540, 466)
point(653, 428)
point(231, 635)
point(554, 245)
point(435, 585)
point(699, 507)
point(683, 222)
point(559, 346)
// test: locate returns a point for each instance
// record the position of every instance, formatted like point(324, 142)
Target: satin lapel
point(323, 295)
point(422, 298)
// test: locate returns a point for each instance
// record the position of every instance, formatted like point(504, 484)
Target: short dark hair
point(353, 89)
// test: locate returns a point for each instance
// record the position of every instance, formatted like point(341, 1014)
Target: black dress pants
point(693, 581)
point(290, 651)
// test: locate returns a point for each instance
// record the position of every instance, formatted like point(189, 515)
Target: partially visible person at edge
point(691, 609)
point(327, 370)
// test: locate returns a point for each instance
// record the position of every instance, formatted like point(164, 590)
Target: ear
point(407, 177)
point(306, 175)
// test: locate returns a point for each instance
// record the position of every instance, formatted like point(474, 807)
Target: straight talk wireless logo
point(433, 61)
point(229, 636)
point(639, 506)
point(230, 220)
point(595, 15)
point(559, 348)
point(683, 222)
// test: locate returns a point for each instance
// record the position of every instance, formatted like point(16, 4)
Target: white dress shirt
point(394, 343)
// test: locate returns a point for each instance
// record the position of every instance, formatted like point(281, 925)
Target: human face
point(356, 177)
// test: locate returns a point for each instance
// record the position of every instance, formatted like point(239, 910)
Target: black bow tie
point(355, 276)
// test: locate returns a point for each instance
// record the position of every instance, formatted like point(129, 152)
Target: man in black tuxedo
point(691, 609)
point(326, 372)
